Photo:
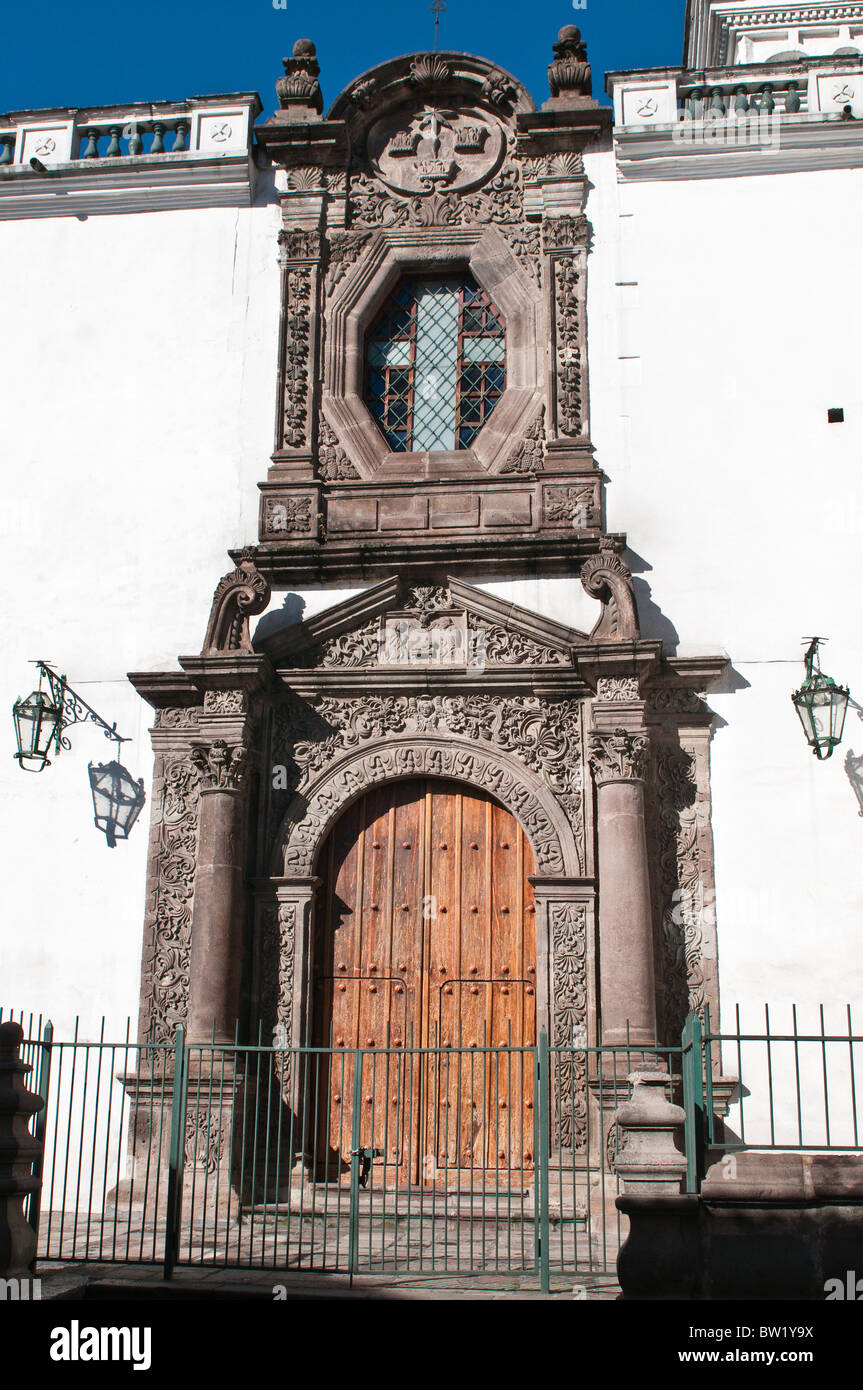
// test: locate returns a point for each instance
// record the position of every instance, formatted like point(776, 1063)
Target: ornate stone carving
point(499, 90)
point(665, 700)
point(427, 599)
point(618, 757)
point(429, 71)
point(241, 594)
point(568, 931)
point(564, 233)
point(174, 838)
point(333, 463)
point(364, 93)
point(298, 308)
point(686, 903)
point(416, 152)
point(176, 718)
point(544, 737)
point(300, 86)
point(225, 702)
point(344, 249)
point(359, 648)
point(372, 204)
point(525, 242)
point(528, 455)
point(501, 646)
point(277, 984)
point(287, 515)
point(605, 576)
point(304, 179)
point(222, 767)
point(295, 243)
point(618, 689)
point(205, 1138)
point(568, 506)
point(568, 345)
point(569, 74)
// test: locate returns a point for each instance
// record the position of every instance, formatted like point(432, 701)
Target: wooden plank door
point(427, 940)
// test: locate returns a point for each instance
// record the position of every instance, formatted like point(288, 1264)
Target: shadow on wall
point(290, 613)
point(854, 765)
point(652, 620)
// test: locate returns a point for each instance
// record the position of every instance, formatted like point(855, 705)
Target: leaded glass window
point(435, 364)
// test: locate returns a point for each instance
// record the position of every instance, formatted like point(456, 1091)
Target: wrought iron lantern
point(821, 704)
point(39, 721)
point(117, 800)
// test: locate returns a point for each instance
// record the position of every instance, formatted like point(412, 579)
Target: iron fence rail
point(397, 1159)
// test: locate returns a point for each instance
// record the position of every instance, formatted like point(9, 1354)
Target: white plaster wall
point(723, 319)
point(137, 420)
point(137, 416)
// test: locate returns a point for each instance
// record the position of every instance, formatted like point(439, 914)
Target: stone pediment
point(397, 625)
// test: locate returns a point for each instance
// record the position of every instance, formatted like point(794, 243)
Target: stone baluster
point(717, 109)
point(113, 151)
point(91, 150)
point(792, 98)
point(181, 130)
point(741, 103)
point(136, 144)
point(158, 144)
point(7, 149)
point(19, 1150)
point(768, 104)
point(696, 105)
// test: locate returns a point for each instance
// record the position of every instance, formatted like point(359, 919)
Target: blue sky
point(63, 54)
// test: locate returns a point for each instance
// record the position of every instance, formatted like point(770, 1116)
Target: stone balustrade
point(814, 90)
point(206, 126)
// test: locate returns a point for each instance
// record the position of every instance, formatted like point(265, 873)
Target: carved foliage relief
point(278, 929)
point(169, 910)
point(684, 884)
point(543, 736)
point(568, 932)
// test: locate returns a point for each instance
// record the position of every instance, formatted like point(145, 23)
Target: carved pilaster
point(300, 251)
point(565, 242)
point(568, 945)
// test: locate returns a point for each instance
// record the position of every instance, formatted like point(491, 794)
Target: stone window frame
point(392, 255)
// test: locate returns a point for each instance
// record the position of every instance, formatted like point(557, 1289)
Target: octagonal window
point(435, 364)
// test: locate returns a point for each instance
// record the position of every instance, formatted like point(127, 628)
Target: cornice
point(806, 144)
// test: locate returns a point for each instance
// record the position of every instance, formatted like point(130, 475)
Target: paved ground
point(143, 1282)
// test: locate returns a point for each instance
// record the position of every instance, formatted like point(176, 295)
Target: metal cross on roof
point(437, 8)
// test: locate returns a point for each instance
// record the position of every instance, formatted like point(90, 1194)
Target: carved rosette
point(618, 689)
point(168, 923)
point(222, 767)
point(569, 506)
point(568, 931)
point(287, 516)
point(618, 757)
point(226, 702)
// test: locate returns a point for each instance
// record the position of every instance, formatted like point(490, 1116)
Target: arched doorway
point(426, 954)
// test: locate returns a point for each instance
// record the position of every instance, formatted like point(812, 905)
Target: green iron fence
point(427, 1160)
point(433, 1160)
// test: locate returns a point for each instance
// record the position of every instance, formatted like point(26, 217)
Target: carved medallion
point(435, 147)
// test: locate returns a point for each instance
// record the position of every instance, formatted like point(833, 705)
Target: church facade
point(436, 769)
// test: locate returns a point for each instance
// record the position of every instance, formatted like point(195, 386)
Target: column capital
point(620, 756)
point(222, 767)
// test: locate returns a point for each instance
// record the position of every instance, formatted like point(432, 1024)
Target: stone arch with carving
point(316, 806)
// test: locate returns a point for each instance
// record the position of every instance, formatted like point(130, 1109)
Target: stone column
point(218, 917)
point(627, 986)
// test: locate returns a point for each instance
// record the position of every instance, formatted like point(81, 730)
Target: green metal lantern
point(821, 705)
point(117, 800)
point(39, 723)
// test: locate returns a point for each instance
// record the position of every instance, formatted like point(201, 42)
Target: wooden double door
point(426, 960)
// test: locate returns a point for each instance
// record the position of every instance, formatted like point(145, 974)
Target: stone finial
point(647, 1158)
point(238, 595)
point(569, 74)
point(19, 1150)
point(607, 577)
point(299, 88)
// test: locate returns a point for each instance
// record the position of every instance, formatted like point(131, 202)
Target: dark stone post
point(627, 987)
point(19, 1150)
